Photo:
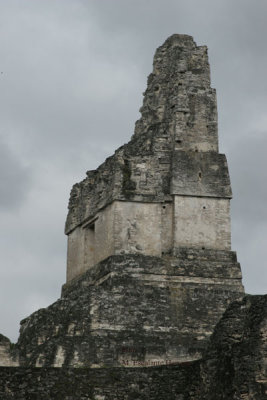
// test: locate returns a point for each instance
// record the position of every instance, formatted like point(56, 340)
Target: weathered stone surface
point(179, 106)
point(202, 174)
point(8, 355)
point(234, 367)
point(235, 362)
point(134, 308)
point(157, 383)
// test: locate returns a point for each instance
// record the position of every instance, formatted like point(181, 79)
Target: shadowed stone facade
point(233, 367)
point(150, 270)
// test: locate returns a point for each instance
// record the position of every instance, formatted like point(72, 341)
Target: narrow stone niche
point(89, 245)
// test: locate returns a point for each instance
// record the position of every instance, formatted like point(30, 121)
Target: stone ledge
point(182, 262)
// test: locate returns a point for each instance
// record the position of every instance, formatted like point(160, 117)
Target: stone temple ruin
point(168, 188)
point(150, 270)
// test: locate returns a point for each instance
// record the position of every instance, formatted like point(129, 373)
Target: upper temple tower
point(150, 269)
point(168, 188)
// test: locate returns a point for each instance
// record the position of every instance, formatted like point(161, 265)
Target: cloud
point(250, 174)
point(15, 180)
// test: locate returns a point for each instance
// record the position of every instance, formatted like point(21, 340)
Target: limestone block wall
point(104, 233)
point(75, 254)
point(202, 222)
point(143, 228)
point(89, 245)
point(149, 228)
point(200, 174)
point(91, 242)
point(120, 228)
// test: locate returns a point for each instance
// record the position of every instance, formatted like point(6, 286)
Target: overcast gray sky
point(71, 83)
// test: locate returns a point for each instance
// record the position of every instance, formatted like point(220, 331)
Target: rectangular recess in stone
point(200, 174)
